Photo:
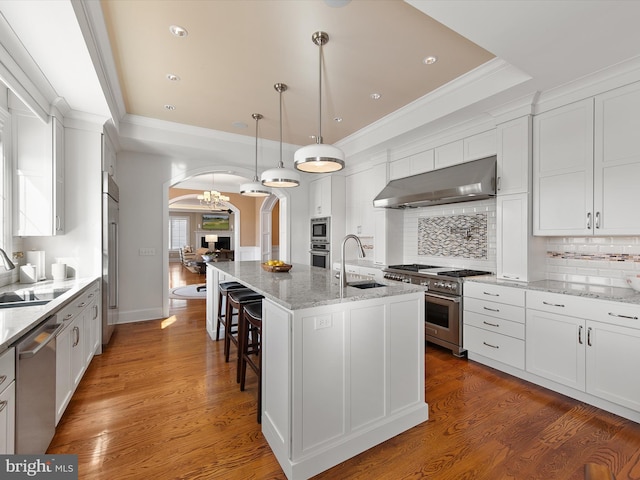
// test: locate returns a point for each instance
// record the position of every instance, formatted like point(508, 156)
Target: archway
point(266, 209)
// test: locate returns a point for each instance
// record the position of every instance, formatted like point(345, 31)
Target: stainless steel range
point(443, 299)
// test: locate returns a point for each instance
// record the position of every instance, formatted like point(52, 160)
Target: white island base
point(339, 379)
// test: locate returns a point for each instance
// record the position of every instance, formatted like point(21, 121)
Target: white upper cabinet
point(449, 154)
point(617, 162)
point(320, 197)
point(563, 170)
point(478, 146)
point(586, 166)
point(514, 155)
point(412, 165)
point(361, 189)
point(38, 154)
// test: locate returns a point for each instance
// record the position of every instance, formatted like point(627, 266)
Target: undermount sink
point(28, 297)
point(366, 285)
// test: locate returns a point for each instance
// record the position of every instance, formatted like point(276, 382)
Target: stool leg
point(227, 330)
point(219, 315)
point(241, 340)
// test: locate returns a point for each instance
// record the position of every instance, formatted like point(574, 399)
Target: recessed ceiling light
point(169, 107)
point(239, 124)
point(172, 77)
point(178, 31)
point(375, 96)
point(430, 60)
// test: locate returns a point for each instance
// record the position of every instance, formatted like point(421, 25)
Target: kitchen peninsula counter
point(340, 374)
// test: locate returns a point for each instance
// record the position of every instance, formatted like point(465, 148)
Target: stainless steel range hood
point(475, 180)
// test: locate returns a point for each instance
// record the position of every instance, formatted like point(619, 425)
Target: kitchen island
point(341, 372)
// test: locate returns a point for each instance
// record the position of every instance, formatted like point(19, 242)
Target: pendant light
point(280, 177)
point(318, 157)
point(255, 188)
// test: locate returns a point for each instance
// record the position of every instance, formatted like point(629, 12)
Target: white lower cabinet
point(494, 322)
point(7, 402)
point(592, 346)
point(76, 344)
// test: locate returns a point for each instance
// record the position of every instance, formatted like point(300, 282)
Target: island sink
point(366, 285)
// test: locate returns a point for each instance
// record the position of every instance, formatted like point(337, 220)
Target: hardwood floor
point(161, 403)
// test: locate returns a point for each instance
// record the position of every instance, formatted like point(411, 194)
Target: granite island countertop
point(305, 286)
point(15, 322)
point(602, 292)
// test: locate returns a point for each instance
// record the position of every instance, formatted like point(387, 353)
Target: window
point(178, 232)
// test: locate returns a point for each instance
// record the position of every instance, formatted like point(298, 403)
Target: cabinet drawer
point(7, 368)
point(556, 303)
point(494, 309)
point(492, 324)
point(502, 348)
point(616, 313)
point(495, 293)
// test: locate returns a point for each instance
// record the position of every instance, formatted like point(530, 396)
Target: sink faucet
point(8, 264)
point(343, 273)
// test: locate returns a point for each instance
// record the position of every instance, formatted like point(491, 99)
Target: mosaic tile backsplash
point(463, 236)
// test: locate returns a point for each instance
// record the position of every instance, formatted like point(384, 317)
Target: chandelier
point(213, 200)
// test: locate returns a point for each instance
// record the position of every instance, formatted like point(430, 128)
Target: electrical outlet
point(147, 252)
point(323, 322)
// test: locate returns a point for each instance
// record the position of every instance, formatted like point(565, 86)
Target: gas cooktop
point(417, 268)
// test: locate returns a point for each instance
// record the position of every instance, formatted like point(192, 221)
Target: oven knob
point(406, 280)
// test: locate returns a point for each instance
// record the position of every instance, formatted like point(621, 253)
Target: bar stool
point(237, 299)
point(223, 289)
point(251, 346)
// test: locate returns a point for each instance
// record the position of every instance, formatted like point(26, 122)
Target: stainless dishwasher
point(36, 388)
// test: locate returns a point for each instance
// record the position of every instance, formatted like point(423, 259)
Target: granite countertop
point(305, 286)
point(602, 292)
point(15, 322)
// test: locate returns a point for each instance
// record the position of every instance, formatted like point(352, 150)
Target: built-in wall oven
point(320, 236)
point(321, 230)
point(443, 300)
point(319, 254)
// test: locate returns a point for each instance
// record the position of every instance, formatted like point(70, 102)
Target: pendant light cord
point(255, 175)
point(319, 139)
point(281, 164)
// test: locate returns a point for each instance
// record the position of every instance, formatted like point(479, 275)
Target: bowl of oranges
point(276, 266)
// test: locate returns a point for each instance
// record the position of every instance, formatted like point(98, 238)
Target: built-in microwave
point(321, 230)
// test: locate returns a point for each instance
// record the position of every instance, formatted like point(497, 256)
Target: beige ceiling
point(236, 50)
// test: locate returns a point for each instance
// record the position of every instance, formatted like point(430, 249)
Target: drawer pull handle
point(553, 304)
point(623, 316)
point(3, 404)
point(491, 324)
point(589, 336)
point(492, 346)
point(81, 305)
point(492, 294)
point(492, 309)
point(511, 276)
point(580, 334)
point(68, 316)
point(2, 379)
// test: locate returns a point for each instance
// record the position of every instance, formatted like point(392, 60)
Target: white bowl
point(634, 282)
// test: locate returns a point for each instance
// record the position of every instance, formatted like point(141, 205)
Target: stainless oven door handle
point(443, 297)
point(319, 252)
